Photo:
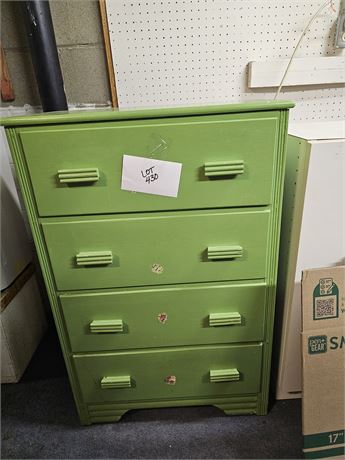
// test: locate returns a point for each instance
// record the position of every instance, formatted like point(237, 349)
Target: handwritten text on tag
point(148, 175)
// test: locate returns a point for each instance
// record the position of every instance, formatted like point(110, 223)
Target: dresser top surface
point(80, 116)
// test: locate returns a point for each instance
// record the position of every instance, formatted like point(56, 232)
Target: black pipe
point(41, 37)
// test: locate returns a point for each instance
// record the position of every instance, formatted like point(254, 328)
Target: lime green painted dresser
point(158, 300)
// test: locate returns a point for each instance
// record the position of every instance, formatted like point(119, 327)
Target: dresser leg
point(83, 415)
point(262, 408)
point(231, 410)
point(103, 415)
point(85, 421)
point(262, 411)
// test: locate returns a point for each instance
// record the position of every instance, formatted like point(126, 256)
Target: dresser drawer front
point(157, 248)
point(143, 318)
point(168, 374)
point(227, 160)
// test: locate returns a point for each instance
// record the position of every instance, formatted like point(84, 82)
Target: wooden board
point(7, 93)
point(303, 71)
point(9, 293)
point(107, 47)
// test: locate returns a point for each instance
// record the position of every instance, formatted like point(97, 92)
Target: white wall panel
point(181, 52)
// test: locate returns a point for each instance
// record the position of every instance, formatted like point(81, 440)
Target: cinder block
point(79, 38)
point(12, 25)
point(23, 78)
point(76, 22)
point(85, 74)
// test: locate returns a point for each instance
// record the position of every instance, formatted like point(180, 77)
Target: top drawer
point(247, 140)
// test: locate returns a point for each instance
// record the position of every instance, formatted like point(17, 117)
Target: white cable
point(330, 3)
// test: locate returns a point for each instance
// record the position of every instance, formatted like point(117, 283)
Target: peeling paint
point(170, 380)
point(157, 268)
point(32, 16)
point(162, 317)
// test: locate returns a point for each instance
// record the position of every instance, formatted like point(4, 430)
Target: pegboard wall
point(182, 52)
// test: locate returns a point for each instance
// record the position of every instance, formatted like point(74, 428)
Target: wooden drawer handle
point(121, 381)
point(94, 258)
point(224, 252)
point(106, 326)
point(224, 319)
point(224, 375)
point(75, 176)
point(224, 168)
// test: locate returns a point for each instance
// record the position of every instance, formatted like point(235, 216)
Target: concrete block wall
point(78, 33)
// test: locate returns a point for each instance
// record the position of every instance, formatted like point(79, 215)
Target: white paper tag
point(148, 175)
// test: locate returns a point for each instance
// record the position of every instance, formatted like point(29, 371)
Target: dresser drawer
point(170, 373)
point(93, 153)
point(149, 249)
point(184, 315)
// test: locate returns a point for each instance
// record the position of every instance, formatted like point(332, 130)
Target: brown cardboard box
point(323, 350)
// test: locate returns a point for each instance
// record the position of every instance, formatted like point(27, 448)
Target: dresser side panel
point(29, 202)
point(272, 258)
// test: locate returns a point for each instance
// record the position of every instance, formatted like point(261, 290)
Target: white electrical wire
point(330, 3)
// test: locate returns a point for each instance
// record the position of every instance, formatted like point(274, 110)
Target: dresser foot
point(231, 410)
point(106, 415)
point(119, 416)
point(262, 408)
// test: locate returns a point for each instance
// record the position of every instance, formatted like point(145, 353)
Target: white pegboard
point(182, 52)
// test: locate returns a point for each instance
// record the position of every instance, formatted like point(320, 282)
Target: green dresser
point(158, 301)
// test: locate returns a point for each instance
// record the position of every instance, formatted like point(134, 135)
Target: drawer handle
point(74, 176)
point(224, 252)
point(106, 326)
point(224, 168)
point(94, 258)
point(224, 319)
point(224, 375)
point(121, 381)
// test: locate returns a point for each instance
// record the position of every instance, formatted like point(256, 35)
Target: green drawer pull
point(224, 252)
point(74, 176)
point(224, 375)
point(94, 258)
point(122, 381)
point(224, 319)
point(106, 326)
point(224, 168)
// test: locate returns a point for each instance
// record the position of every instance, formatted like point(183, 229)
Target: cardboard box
point(22, 325)
point(323, 350)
